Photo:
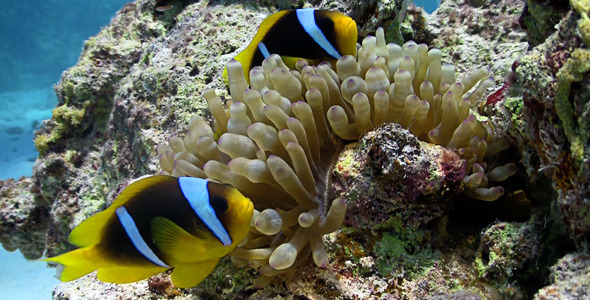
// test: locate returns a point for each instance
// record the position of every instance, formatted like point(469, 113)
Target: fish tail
point(77, 263)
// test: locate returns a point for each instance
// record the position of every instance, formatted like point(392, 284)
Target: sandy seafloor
point(21, 112)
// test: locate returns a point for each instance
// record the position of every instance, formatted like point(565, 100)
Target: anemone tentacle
point(280, 135)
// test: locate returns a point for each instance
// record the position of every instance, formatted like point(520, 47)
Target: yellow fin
point(245, 57)
point(77, 263)
point(89, 232)
point(139, 186)
point(127, 274)
point(179, 246)
point(189, 275)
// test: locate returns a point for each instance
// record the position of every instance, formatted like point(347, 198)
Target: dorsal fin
point(89, 232)
point(267, 24)
point(139, 186)
point(245, 57)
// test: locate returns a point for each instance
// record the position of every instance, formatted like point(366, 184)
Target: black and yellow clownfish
point(158, 223)
point(308, 34)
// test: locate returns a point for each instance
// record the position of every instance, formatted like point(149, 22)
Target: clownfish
point(308, 34)
point(158, 223)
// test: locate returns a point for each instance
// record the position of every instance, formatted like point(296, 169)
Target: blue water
point(39, 40)
point(428, 5)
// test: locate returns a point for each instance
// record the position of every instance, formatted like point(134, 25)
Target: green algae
point(101, 113)
point(69, 119)
point(584, 22)
point(581, 6)
point(504, 240)
point(515, 106)
point(510, 253)
point(404, 251)
point(69, 89)
point(66, 118)
point(393, 30)
point(223, 285)
point(572, 71)
point(68, 115)
point(540, 21)
point(91, 202)
point(42, 143)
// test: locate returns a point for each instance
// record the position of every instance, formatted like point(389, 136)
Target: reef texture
point(539, 17)
point(506, 250)
point(22, 219)
point(569, 278)
point(471, 34)
point(278, 136)
point(140, 81)
point(549, 105)
point(391, 173)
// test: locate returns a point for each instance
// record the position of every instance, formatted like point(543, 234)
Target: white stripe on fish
point(133, 234)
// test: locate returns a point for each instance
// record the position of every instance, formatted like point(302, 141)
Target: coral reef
point(129, 94)
point(22, 220)
point(550, 91)
point(386, 14)
point(390, 173)
point(70, 142)
point(538, 19)
point(570, 278)
point(115, 104)
point(276, 140)
point(472, 34)
point(507, 249)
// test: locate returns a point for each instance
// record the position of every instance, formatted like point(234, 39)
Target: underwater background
point(40, 39)
point(139, 81)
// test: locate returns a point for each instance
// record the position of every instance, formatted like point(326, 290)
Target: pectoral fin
point(179, 246)
point(189, 275)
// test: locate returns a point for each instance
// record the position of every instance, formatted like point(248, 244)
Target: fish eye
point(219, 204)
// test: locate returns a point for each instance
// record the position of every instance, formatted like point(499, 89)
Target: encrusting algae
point(278, 137)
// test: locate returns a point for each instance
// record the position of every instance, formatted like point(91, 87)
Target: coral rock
point(570, 278)
point(394, 172)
